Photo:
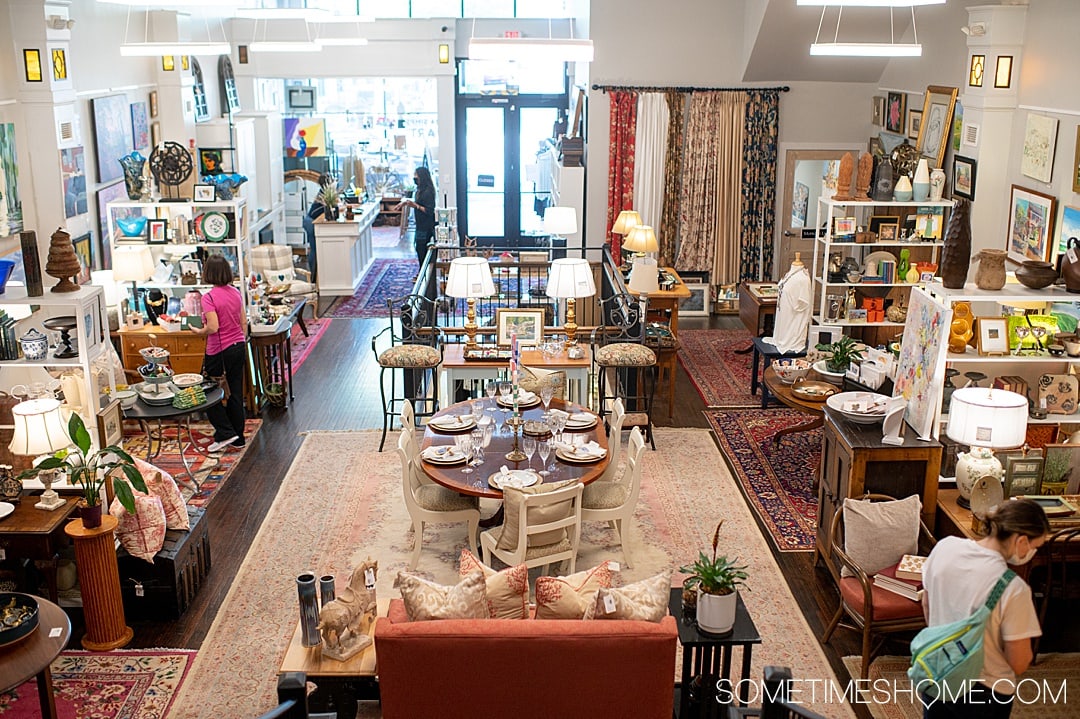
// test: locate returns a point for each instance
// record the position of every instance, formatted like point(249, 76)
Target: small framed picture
point(963, 176)
point(528, 325)
point(993, 336)
point(1023, 473)
point(110, 424)
point(843, 227)
point(878, 221)
point(697, 304)
point(888, 232)
point(914, 122)
point(856, 315)
point(877, 111)
point(204, 193)
point(156, 232)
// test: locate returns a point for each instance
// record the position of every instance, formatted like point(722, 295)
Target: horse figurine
point(346, 621)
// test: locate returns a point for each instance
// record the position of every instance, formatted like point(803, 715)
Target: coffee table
point(782, 392)
point(147, 414)
point(32, 656)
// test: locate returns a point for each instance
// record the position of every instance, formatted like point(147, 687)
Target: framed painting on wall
point(1040, 140)
point(697, 304)
point(936, 128)
point(1070, 227)
point(528, 325)
point(1031, 224)
point(895, 104)
point(112, 135)
point(920, 375)
point(963, 175)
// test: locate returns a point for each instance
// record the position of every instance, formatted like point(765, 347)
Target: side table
point(709, 656)
point(37, 534)
point(103, 608)
point(146, 414)
point(272, 360)
point(32, 655)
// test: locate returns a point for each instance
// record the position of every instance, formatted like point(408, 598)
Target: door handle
point(788, 233)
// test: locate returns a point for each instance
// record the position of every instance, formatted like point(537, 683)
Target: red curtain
point(622, 131)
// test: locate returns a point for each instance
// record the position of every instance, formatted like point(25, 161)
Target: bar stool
point(619, 350)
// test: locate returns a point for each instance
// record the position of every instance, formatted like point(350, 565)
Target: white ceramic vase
point(902, 190)
point(920, 185)
point(716, 612)
point(937, 184)
point(974, 465)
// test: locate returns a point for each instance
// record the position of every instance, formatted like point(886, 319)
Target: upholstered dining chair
point(432, 502)
point(614, 440)
point(870, 609)
point(614, 502)
point(533, 378)
point(275, 264)
point(547, 517)
point(625, 366)
point(416, 349)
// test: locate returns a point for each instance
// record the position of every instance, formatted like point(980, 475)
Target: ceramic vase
point(326, 589)
point(1070, 265)
point(133, 163)
point(991, 273)
point(920, 188)
point(309, 610)
point(972, 466)
point(716, 612)
point(902, 191)
point(35, 345)
point(883, 181)
point(937, 184)
point(956, 254)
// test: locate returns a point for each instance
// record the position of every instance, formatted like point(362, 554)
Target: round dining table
point(476, 483)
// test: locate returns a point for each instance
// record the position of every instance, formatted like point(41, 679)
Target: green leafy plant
point(715, 575)
point(91, 471)
point(329, 195)
point(844, 351)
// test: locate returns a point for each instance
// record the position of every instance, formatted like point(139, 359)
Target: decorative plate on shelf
point(215, 226)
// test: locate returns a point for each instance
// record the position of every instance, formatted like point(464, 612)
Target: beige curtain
point(710, 214)
point(650, 153)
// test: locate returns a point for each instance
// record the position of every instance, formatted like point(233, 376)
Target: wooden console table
point(186, 349)
point(37, 534)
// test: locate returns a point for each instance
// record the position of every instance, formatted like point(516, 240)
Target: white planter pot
point(716, 612)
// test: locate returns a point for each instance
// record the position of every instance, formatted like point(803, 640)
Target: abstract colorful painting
point(1070, 227)
point(113, 193)
point(140, 126)
point(84, 251)
point(305, 137)
point(920, 374)
point(112, 135)
point(1031, 224)
point(11, 217)
point(73, 175)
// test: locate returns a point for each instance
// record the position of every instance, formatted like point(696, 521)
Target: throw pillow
point(533, 378)
point(645, 601)
point(142, 534)
point(162, 485)
point(507, 591)
point(425, 600)
point(567, 597)
point(879, 534)
point(513, 498)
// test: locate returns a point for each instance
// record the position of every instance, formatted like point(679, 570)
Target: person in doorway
point(959, 575)
point(223, 327)
point(317, 210)
point(424, 204)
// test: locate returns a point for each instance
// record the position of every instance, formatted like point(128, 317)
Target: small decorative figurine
point(345, 622)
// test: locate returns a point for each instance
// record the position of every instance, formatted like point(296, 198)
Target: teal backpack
point(952, 654)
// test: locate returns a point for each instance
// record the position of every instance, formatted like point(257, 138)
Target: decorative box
point(1058, 393)
point(167, 587)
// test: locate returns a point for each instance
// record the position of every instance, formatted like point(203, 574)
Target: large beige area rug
point(1044, 691)
point(341, 501)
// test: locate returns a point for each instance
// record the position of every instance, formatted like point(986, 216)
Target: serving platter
point(813, 391)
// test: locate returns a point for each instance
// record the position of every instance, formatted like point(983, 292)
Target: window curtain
point(622, 129)
point(710, 213)
point(758, 219)
point(650, 153)
point(667, 234)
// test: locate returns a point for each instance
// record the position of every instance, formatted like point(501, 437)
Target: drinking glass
point(528, 444)
point(478, 445)
point(490, 389)
point(464, 445)
point(545, 451)
point(477, 407)
point(547, 391)
point(558, 424)
point(504, 393)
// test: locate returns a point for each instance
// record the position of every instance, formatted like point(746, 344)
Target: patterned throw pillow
point(162, 485)
point(142, 534)
point(512, 501)
point(645, 601)
point(425, 600)
point(507, 591)
point(567, 597)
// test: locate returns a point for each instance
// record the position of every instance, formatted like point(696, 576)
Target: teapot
point(976, 464)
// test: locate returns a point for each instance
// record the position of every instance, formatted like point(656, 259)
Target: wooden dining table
point(476, 483)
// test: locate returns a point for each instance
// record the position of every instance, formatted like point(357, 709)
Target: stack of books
point(905, 580)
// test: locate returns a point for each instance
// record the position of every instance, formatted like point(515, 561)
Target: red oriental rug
point(123, 684)
point(777, 480)
point(385, 279)
point(721, 376)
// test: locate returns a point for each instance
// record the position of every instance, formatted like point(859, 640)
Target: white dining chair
point(529, 554)
point(615, 501)
point(614, 440)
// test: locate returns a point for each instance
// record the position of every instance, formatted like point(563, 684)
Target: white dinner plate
point(7, 508)
point(566, 456)
point(187, 379)
point(510, 403)
point(837, 401)
point(518, 478)
point(581, 424)
point(454, 423)
point(451, 455)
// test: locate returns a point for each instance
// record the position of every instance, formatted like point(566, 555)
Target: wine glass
point(464, 445)
point(558, 424)
point(547, 391)
point(545, 451)
point(504, 393)
point(478, 445)
point(477, 407)
point(528, 444)
point(490, 389)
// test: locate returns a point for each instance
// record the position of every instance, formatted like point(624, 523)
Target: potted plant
point(330, 196)
point(717, 580)
point(91, 471)
point(843, 352)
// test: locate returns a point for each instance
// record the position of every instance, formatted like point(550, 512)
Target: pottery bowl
point(789, 370)
point(127, 397)
point(132, 226)
point(1071, 343)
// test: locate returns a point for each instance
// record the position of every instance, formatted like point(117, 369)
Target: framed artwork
point(895, 104)
point(928, 224)
point(920, 373)
point(993, 336)
point(1031, 224)
point(800, 204)
point(963, 177)
point(210, 159)
point(73, 175)
point(11, 212)
point(879, 221)
point(936, 127)
point(85, 252)
point(113, 193)
point(140, 126)
point(1023, 473)
point(888, 232)
point(1061, 469)
point(843, 227)
point(153, 103)
point(305, 137)
point(1076, 164)
point(112, 135)
point(155, 232)
point(32, 64)
point(1070, 227)
point(1040, 139)
point(877, 111)
point(110, 422)
point(204, 193)
point(155, 134)
point(528, 325)
point(697, 304)
point(914, 123)
point(957, 125)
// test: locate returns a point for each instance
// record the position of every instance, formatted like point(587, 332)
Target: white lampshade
point(644, 277)
point(641, 239)
point(560, 221)
point(469, 277)
point(39, 427)
point(132, 263)
point(570, 277)
point(626, 221)
point(983, 417)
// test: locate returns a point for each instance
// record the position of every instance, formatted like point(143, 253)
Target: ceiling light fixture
point(175, 47)
point(525, 49)
point(866, 49)
point(305, 45)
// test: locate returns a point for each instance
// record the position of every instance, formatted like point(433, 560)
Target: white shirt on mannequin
point(793, 310)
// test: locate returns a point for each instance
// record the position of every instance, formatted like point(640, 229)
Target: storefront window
point(494, 77)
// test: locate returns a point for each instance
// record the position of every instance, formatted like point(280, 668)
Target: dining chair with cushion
point(416, 349)
point(408, 416)
point(1061, 550)
point(625, 366)
point(615, 420)
point(432, 502)
point(614, 501)
point(275, 264)
point(867, 537)
point(541, 526)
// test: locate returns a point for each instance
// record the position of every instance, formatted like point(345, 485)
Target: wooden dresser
point(186, 348)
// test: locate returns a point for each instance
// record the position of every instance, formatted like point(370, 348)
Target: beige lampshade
point(39, 427)
point(560, 221)
point(570, 277)
point(644, 277)
point(469, 277)
point(132, 263)
point(626, 221)
point(641, 239)
point(984, 417)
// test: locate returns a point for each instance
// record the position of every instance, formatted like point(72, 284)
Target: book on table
point(902, 587)
point(910, 567)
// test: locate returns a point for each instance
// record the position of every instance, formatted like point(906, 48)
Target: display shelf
point(1012, 292)
point(865, 284)
point(856, 323)
point(897, 243)
point(972, 355)
point(832, 202)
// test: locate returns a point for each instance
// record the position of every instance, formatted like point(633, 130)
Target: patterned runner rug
point(385, 279)
point(123, 684)
point(330, 526)
point(777, 481)
point(721, 377)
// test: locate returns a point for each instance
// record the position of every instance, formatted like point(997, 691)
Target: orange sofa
point(527, 669)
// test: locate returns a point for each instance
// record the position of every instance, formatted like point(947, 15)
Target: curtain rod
point(652, 88)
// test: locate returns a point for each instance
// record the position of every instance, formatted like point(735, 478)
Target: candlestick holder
point(515, 454)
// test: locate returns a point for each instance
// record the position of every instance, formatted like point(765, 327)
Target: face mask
point(1017, 561)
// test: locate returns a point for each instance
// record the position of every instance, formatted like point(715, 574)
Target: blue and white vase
point(920, 187)
point(35, 346)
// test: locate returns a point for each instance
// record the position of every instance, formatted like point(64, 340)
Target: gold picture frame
point(1076, 164)
point(936, 128)
point(528, 324)
point(110, 424)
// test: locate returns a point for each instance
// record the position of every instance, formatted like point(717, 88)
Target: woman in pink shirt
point(223, 327)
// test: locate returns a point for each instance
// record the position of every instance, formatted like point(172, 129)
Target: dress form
point(793, 309)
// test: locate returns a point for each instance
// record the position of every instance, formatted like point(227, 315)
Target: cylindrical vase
point(309, 610)
point(326, 589)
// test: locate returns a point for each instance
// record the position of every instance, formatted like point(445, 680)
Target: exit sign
point(512, 33)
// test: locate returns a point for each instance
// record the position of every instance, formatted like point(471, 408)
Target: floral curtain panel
point(622, 131)
point(667, 233)
point(756, 241)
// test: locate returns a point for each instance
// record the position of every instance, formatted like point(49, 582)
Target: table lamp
point(644, 277)
point(986, 419)
point(640, 240)
point(570, 278)
point(626, 221)
point(560, 222)
point(133, 263)
point(469, 278)
point(39, 429)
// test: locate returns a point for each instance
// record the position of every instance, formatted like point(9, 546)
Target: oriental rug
point(777, 480)
point(385, 279)
point(359, 512)
point(388, 236)
point(1043, 692)
point(122, 684)
point(301, 345)
point(721, 376)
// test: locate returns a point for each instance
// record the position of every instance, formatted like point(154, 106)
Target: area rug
point(210, 471)
point(387, 236)
point(330, 526)
point(777, 480)
point(122, 684)
point(385, 279)
point(301, 345)
point(721, 377)
point(1052, 681)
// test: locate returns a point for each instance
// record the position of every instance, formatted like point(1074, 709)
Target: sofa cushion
point(512, 502)
point(879, 534)
point(625, 354)
point(567, 597)
point(533, 378)
point(507, 591)
point(426, 600)
point(646, 600)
